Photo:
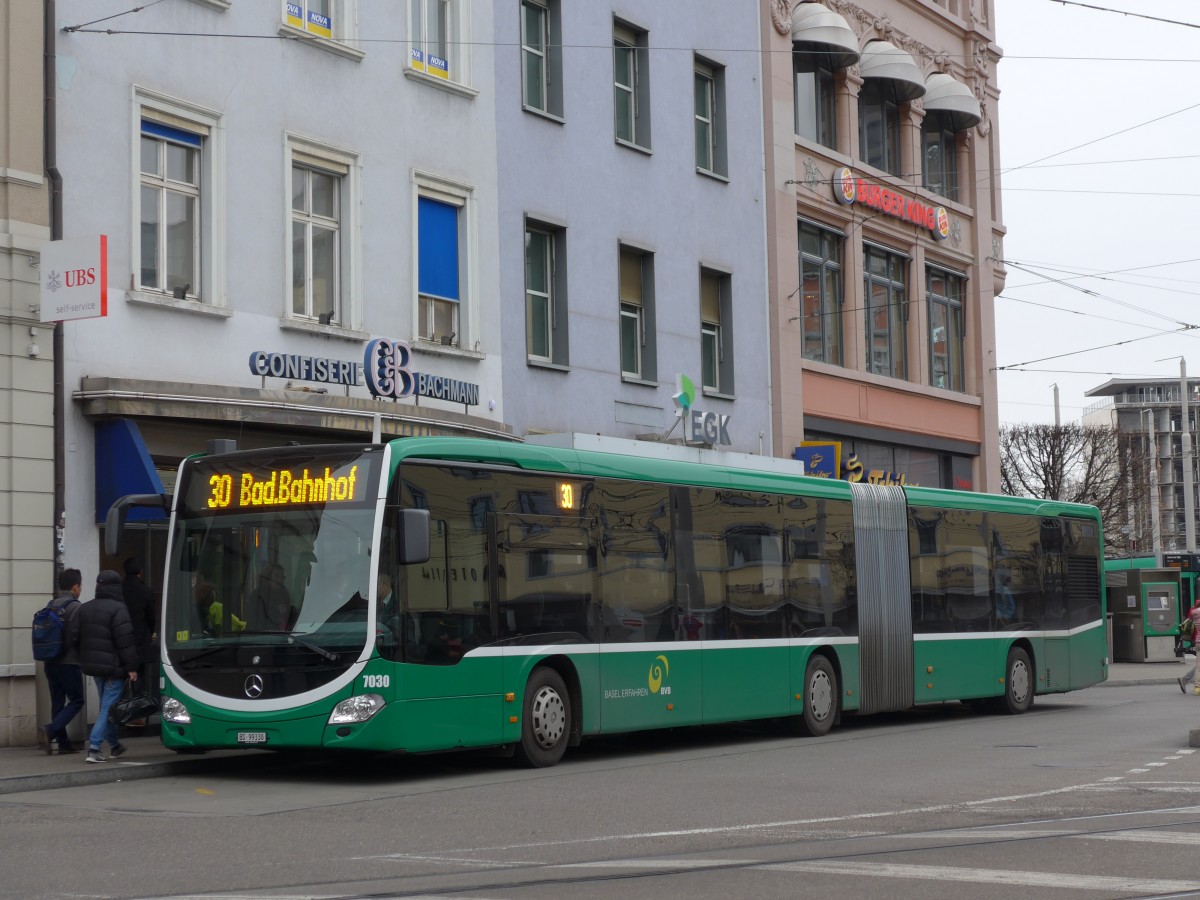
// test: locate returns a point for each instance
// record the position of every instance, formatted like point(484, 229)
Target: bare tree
point(1102, 466)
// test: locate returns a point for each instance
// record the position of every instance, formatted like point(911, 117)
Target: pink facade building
point(885, 237)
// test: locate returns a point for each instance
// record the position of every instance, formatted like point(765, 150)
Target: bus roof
point(588, 463)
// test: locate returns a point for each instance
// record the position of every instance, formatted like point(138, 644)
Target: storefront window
point(889, 463)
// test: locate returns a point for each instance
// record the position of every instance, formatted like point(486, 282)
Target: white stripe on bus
point(584, 649)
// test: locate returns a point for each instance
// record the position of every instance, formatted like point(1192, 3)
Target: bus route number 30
point(376, 681)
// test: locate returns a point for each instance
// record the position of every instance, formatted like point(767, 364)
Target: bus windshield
point(272, 554)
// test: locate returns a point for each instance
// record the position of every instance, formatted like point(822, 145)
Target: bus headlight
point(175, 712)
point(356, 709)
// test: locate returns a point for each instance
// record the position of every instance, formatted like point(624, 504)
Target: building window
point(631, 86)
point(947, 327)
point(545, 294)
point(323, 252)
point(333, 20)
point(709, 101)
point(438, 272)
point(939, 152)
point(815, 103)
point(821, 293)
point(541, 56)
point(886, 312)
point(322, 247)
point(315, 238)
point(171, 188)
point(637, 315)
point(716, 333)
point(438, 42)
point(879, 125)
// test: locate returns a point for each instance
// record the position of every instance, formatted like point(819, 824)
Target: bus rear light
point(356, 709)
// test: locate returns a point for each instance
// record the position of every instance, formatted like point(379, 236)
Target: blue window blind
point(170, 134)
point(437, 253)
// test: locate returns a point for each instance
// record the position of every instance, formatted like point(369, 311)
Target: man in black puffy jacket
point(139, 600)
point(102, 634)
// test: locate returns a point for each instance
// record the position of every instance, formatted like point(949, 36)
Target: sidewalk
point(30, 769)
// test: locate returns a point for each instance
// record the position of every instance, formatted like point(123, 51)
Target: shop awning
point(816, 27)
point(123, 466)
point(949, 96)
point(884, 60)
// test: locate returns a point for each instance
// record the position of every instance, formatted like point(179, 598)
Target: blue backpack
point(50, 632)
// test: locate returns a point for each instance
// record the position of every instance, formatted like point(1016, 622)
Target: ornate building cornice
point(871, 26)
point(781, 15)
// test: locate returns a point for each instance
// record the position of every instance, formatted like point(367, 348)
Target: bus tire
point(1018, 683)
point(821, 694)
point(545, 719)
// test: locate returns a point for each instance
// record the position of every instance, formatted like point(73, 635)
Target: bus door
point(543, 582)
point(453, 696)
point(650, 673)
point(885, 627)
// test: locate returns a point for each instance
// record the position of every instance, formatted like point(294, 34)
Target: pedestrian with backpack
point(60, 663)
point(102, 633)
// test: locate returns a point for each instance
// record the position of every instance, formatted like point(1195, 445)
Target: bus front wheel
point(820, 697)
point(545, 720)
point(1018, 683)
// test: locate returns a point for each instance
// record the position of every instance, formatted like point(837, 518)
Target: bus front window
point(259, 580)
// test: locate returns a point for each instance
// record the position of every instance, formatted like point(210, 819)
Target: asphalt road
point(1091, 795)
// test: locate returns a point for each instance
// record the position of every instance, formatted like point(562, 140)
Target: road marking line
point(660, 864)
point(1093, 883)
point(1000, 832)
point(760, 826)
point(1138, 771)
point(1147, 837)
point(452, 860)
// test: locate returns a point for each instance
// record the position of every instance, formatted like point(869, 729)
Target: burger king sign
point(849, 189)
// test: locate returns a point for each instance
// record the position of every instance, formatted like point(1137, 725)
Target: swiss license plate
point(252, 737)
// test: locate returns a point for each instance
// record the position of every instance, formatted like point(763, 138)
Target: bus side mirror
point(114, 521)
point(414, 536)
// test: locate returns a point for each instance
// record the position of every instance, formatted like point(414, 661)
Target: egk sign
point(699, 426)
point(848, 190)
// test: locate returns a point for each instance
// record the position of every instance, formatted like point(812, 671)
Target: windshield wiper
point(320, 651)
point(203, 653)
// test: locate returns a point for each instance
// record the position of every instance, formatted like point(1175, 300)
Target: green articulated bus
point(438, 593)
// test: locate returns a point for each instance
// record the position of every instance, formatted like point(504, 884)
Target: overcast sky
point(1100, 153)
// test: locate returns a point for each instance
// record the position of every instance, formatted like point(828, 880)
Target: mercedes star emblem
point(254, 686)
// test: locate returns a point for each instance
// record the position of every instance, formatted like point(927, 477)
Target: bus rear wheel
point(821, 695)
point(545, 719)
point(1018, 683)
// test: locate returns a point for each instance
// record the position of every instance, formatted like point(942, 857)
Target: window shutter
point(437, 254)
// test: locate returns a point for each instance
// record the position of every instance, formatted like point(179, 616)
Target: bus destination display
point(243, 485)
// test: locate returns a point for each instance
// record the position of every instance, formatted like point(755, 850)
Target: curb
point(114, 771)
point(1133, 682)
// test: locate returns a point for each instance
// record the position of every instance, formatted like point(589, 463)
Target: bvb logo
point(657, 673)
